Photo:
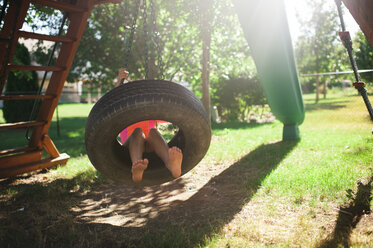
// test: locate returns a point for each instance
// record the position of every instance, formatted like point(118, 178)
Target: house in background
point(71, 92)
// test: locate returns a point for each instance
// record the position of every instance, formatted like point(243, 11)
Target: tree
point(175, 43)
point(235, 97)
point(163, 47)
point(364, 56)
point(20, 82)
point(317, 47)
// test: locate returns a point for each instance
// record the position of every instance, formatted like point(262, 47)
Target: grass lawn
point(250, 190)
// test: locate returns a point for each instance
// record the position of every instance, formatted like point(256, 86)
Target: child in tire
point(144, 137)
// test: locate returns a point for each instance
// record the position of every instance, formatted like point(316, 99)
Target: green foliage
point(42, 17)
point(175, 37)
point(318, 49)
point(364, 56)
point(235, 97)
point(20, 82)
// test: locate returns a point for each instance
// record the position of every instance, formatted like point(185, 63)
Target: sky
point(294, 6)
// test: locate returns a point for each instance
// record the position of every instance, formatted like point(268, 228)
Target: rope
point(346, 40)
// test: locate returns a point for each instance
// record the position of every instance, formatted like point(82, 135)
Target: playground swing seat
point(138, 101)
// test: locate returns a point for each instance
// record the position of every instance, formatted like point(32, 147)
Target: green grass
point(284, 194)
point(333, 155)
point(334, 151)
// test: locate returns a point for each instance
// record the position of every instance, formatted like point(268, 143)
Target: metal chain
point(346, 40)
point(151, 44)
point(129, 42)
point(151, 30)
point(146, 30)
point(159, 57)
point(156, 40)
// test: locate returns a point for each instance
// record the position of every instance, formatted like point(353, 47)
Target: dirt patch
point(45, 211)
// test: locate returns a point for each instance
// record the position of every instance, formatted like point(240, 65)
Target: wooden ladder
point(29, 158)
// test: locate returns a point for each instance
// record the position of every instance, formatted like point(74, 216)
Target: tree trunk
point(317, 89)
point(89, 97)
point(98, 93)
point(206, 26)
point(324, 88)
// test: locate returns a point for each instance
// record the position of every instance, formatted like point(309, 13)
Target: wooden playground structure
point(25, 159)
point(19, 160)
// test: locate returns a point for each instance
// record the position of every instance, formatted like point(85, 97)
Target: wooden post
point(317, 89)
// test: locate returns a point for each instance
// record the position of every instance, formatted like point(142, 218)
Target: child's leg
point(172, 157)
point(136, 146)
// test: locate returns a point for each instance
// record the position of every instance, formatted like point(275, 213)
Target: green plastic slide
point(266, 29)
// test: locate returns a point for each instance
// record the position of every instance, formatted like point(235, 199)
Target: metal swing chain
point(156, 39)
point(142, 4)
point(129, 42)
point(347, 42)
point(146, 51)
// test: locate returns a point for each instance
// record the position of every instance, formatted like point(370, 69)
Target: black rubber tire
point(138, 101)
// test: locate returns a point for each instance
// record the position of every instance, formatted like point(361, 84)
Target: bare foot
point(174, 164)
point(138, 168)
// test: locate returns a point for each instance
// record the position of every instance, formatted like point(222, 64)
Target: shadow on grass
point(326, 105)
point(70, 141)
point(65, 213)
point(71, 138)
point(349, 216)
point(12, 138)
point(236, 125)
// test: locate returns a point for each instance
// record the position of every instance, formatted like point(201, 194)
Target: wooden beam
point(21, 124)
point(33, 166)
point(26, 97)
point(362, 12)
point(107, 1)
point(60, 5)
point(16, 150)
point(50, 147)
point(35, 68)
point(36, 36)
point(14, 160)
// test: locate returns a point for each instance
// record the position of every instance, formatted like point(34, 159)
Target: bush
point(20, 82)
point(234, 98)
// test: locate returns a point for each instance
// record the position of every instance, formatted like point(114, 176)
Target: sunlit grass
point(334, 153)
point(293, 196)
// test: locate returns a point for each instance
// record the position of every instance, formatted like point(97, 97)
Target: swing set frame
point(16, 161)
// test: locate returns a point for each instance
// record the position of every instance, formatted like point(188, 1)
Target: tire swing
point(138, 101)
